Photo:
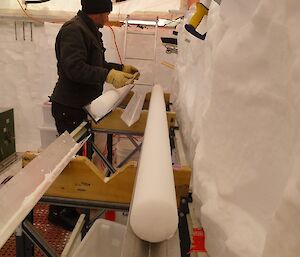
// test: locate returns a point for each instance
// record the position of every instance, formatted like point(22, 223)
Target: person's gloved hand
point(131, 70)
point(119, 78)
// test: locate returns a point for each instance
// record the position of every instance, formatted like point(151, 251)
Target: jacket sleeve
point(111, 65)
point(73, 58)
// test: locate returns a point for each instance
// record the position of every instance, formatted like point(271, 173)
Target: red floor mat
point(54, 235)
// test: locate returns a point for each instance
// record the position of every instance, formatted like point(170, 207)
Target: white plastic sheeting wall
point(126, 7)
point(28, 71)
point(237, 95)
point(27, 77)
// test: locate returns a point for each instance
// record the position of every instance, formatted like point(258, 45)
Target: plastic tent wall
point(126, 7)
point(237, 95)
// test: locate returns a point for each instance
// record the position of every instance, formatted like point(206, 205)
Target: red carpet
point(55, 236)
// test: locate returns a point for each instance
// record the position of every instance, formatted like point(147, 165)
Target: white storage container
point(48, 120)
point(48, 135)
point(104, 239)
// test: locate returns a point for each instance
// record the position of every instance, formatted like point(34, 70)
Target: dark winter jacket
point(81, 64)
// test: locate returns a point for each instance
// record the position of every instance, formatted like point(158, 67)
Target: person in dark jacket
point(82, 71)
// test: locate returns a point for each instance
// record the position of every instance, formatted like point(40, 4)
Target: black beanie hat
point(96, 6)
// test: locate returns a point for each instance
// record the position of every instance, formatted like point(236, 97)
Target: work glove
point(131, 70)
point(119, 78)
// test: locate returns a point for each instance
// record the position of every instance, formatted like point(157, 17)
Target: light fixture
point(141, 22)
point(160, 22)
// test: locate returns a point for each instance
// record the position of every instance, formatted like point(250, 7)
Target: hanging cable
point(174, 21)
point(115, 41)
point(30, 17)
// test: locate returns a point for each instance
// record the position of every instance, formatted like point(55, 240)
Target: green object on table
point(7, 133)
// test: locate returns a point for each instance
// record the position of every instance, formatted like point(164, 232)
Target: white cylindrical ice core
point(153, 214)
point(105, 103)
